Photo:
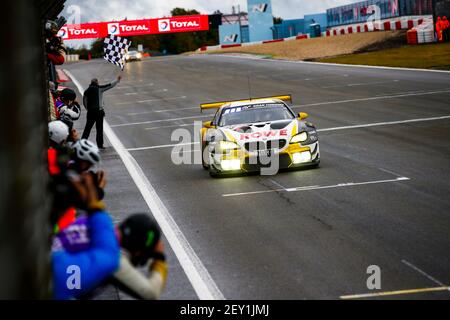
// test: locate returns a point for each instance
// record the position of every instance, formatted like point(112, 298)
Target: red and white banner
point(128, 28)
point(82, 31)
point(135, 27)
point(180, 24)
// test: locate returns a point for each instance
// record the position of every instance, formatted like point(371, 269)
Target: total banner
point(135, 27)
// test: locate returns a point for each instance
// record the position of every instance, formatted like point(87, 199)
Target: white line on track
point(393, 96)
point(360, 84)
point(135, 87)
point(157, 121)
point(198, 275)
point(309, 188)
point(378, 124)
point(137, 93)
point(162, 146)
point(151, 100)
point(186, 151)
point(162, 111)
point(329, 64)
point(426, 275)
point(277, 184)
point(172, 126)
point(378, 97)
point(390, 172)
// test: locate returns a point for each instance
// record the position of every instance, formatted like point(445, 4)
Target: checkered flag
point(115, 48)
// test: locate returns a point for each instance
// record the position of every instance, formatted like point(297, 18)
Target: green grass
point(426, 56)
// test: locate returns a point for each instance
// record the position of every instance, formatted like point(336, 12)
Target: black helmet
point(51, 27)
point(139, 236)
point(68, 94)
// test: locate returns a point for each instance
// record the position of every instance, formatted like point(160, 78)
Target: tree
point(183, 12)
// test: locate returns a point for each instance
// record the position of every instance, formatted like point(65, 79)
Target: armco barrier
point(72, 57)
point(246, 44)
point(422, 33)
point(400, 23)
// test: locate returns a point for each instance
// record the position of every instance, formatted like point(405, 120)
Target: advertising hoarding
point(135, 27)
point(260, 20)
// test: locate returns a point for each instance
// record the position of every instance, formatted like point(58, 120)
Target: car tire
point(316, 165)
point(204, 164)
point(214, 174)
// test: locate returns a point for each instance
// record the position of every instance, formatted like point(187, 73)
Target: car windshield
point(254, 114)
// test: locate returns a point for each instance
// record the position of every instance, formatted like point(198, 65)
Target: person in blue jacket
point(75, 274)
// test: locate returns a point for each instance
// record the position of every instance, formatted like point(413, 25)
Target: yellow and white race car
point(252, 135)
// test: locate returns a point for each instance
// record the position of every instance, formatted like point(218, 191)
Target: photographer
point(95, 262)
point(55, 48)
point(57, 154)
point(85, 156)
point(73, 133)
point(66, 104)
point(140, 242)
point(139, 237)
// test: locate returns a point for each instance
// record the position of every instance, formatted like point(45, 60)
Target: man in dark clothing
point(93, 102)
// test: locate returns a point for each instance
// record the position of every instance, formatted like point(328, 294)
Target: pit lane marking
point(393, 293)
point(309, 188)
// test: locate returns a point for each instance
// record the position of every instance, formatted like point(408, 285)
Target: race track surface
point(380, 196)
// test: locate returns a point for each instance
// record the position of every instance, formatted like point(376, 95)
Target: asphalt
point(380, 196)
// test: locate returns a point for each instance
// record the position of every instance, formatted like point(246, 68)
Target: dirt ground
point(324, 47)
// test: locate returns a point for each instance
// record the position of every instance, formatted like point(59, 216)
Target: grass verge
point(426, 56)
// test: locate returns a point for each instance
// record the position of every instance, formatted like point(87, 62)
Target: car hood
point(266, 131)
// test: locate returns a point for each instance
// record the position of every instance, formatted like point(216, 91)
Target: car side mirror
point(207, 124)
point(303, 115)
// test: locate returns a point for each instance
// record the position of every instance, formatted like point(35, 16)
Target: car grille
point(265, 145)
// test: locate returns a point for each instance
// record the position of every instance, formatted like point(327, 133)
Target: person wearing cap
point(140, 243)
point(67, 104)
point(93, 102)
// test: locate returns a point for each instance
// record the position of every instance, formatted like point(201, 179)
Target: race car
point(256, 134)
point(133, 56)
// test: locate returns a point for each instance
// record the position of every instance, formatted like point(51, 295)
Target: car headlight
point(228, 145)
point(301, 137)
point(231, 165)
point(301, 157)
point(139, 55)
